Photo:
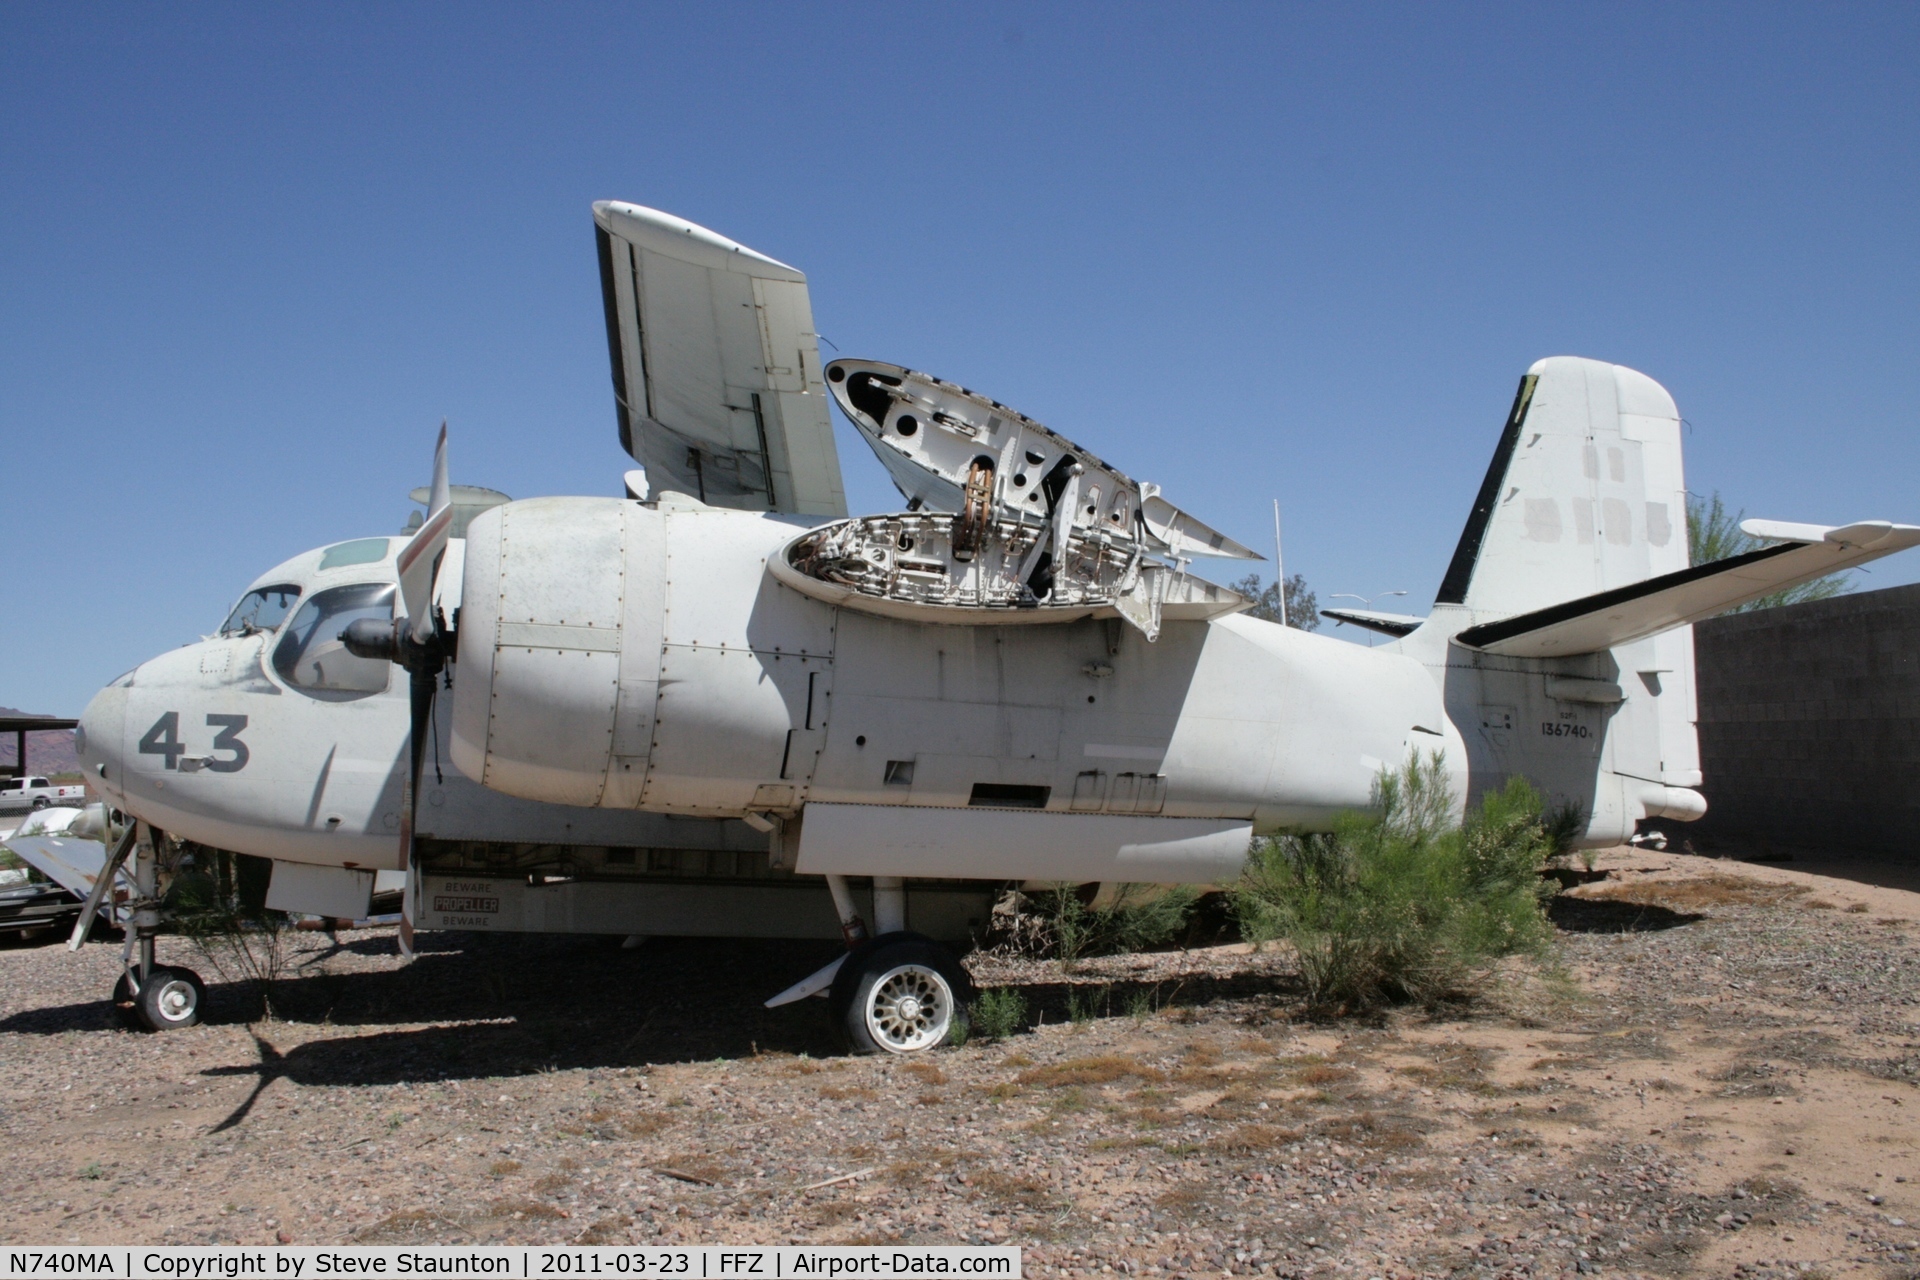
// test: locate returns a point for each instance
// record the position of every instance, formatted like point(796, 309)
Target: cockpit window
point(310, 655)
point(361, 551)
point(261, 609)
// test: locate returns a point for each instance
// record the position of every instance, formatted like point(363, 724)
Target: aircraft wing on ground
point(716, 367)
point(1592, 623)
point(66, 846)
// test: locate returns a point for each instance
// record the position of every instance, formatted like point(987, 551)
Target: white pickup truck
point(37, 793)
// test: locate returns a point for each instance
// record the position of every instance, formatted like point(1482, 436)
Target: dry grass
point(1255, 1139)
point(1011, 1190)
point(826, 1213)
point(929, 1072)
point(840, 1093)
point(613, 1229)
point(646, 1123)
point(1186, 1197)
point(1691, 895)
point(501, 1168)
point(1323, 1074)
point(395, 1226)
point(524, 1208)
point(1370, 1129)
point(1101, 1069)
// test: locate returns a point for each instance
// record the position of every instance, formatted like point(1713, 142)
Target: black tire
point(126, 1008)
point(900, 993)
point(171, 1000)
point(40, 802)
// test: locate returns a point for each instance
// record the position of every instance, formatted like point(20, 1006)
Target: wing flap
point(1596, 622)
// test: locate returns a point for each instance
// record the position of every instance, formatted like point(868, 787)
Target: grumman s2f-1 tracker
point(721, 706)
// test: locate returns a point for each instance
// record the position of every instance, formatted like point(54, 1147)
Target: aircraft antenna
point(1279, 565)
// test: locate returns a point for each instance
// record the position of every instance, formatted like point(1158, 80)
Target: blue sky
point(253, 254)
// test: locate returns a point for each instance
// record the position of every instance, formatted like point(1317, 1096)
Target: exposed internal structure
point(954, 568)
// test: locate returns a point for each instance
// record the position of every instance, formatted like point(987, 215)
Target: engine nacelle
point(604, 662)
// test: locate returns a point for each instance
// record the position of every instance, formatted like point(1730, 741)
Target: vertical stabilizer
point(1585, 492)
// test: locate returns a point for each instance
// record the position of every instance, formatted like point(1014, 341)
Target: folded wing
point(950, 449)
point(716, 367)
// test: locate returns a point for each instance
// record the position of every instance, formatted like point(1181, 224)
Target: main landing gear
point(897, 993)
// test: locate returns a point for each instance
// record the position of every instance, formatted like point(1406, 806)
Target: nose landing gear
point(169, 999)
point(148, 996)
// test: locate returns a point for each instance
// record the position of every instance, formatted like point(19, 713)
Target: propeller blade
point(422, 553)
point(422, 684)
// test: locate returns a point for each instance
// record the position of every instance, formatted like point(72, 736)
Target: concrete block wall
point(1810, 723)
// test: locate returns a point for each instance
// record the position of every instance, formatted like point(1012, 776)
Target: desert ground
point(1716, 1078)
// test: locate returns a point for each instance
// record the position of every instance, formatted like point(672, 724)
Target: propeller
point(420, 641)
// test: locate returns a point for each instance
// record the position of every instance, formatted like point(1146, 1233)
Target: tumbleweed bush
point(1399, 903)
point(999, 1013)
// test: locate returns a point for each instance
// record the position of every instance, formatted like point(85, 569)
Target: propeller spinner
point(420, 641)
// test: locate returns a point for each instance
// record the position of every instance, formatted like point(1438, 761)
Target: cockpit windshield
point(261, 609)
point(311, 656)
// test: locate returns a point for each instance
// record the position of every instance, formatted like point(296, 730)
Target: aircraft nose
point(100, 739)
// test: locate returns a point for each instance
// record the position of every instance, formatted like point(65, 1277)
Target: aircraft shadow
point(506, 1005)
point(1604, 915)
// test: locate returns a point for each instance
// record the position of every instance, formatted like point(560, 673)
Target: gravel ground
point(1719, 1079)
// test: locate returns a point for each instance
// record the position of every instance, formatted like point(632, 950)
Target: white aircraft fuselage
point(1017, 680)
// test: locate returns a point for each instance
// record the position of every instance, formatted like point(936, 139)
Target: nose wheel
point(899, 993)
point(169, 1000)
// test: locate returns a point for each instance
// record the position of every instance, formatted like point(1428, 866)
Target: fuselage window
point(261, 609)
point(310, 655)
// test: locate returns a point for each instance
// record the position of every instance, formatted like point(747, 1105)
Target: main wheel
point(171, 999)
point(40, 802)
point(900, 993)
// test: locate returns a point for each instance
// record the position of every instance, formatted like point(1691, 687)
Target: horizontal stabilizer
point(1387, 624)
point(1624, 614)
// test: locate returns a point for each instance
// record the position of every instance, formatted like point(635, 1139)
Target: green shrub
point(220, 907)
point(999, 1013)
point(1134, 918)
point(1399, 903)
